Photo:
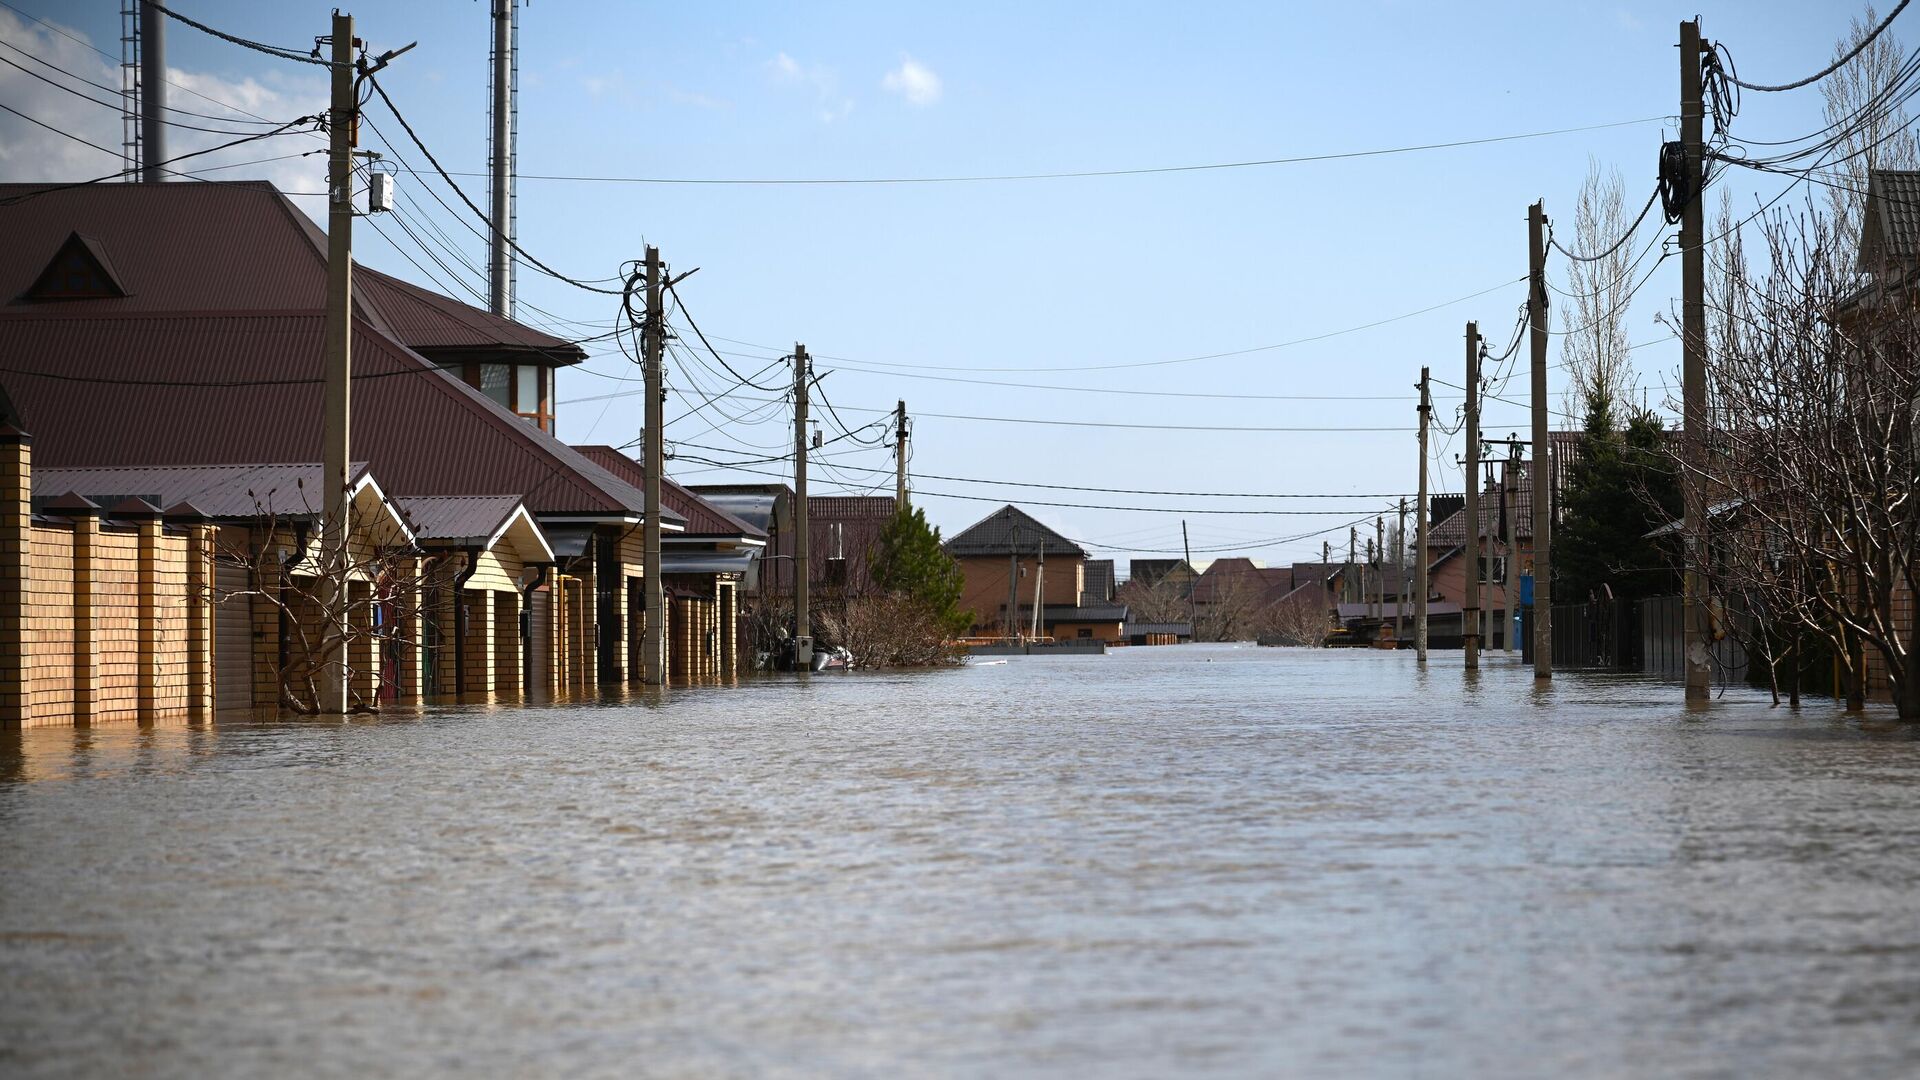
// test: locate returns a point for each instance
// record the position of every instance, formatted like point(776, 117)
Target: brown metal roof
point(457, 517)
point(1451, 531)
point(849, 507)
point(702, 517)
point(218, 491)
point(1007, 529)
point(215, 358)
point(423, 319)
point(175, 247)
point(220, 389)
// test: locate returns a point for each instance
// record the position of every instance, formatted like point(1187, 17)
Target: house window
point(496, 381)
point(1085, 632)
point(834, 540)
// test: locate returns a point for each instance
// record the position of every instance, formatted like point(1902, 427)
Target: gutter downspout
point(460, 620)
point(526, 625)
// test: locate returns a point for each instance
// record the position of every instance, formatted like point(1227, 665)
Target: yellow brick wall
point(169, 599)
point(49, 625)
point(116, 600)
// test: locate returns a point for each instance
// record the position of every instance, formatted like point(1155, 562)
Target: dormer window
point(80, 270)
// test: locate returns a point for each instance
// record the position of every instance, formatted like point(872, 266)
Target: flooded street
point(1200, 859)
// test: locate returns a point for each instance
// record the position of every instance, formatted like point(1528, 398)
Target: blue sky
point(949, 280)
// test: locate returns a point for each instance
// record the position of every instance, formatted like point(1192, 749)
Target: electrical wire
point(1085, 173)
point(1830, 68)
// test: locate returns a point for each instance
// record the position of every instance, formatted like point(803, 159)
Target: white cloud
point(829, 103)
point(30, 153)
point(914, 81)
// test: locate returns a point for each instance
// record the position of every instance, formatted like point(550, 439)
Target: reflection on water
point(1178, 860)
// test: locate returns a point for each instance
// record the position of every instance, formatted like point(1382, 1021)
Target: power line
point(1162, 363)
point(1830, 68)
point(511, 242)
point(245, 43)
point(1079, 174)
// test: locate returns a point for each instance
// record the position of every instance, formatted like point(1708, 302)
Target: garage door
point(232, 640)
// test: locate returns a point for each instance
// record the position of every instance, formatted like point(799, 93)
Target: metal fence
point(1635, 635)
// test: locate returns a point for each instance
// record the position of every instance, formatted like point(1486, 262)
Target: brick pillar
point(446, 641)
point(361, 651)
point(478, 647)
point(148, 640)
point(86, 648)
point(506, 641)
point(16, 546)
point(581, 599)
point(199, 601)
point(409, 631)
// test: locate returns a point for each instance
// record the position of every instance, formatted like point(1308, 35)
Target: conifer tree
point(909, 561)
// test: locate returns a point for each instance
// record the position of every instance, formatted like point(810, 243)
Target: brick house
point(1043, 564)
point(176, 325)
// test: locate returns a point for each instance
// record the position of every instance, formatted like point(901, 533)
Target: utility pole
point(1470, 602)
point(1193, 611)
point(653, 641)
point(1039, 585)
point(153, 93)
point(1542, 456)
point(1400, 578)
point(1380, 567)
point(502, 140)
point(1420, 527)
point(900, 456)
point(1013, 579)
point(1366, 593)
point(1509, 497)
point(342, 120)
point(802, 616)
point(1693, 377)
point(1353, 567)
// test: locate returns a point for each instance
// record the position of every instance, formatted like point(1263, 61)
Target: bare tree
point(1302, 618)
point(1165, 601)
point(1871, 133)
point(1813, 465)
point(1599, 368)
point(288, 569)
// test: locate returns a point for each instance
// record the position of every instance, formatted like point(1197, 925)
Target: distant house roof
point(756, 504)
point(1393, 609)
point(1452, 531)
point(1179, 629)
point(1009, 530)
point(704, 518)
point(1150, 572)
point(1890, 227)
point(1239, 576)
point(1098, 578)
point(1059, 613)
point(849, 507)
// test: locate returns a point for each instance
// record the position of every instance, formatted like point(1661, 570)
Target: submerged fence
point(1635, 635)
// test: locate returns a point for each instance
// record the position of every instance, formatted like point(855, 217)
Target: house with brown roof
point(1502, 536)
point(151, 325)
point(1010, 545)
point(702, 568)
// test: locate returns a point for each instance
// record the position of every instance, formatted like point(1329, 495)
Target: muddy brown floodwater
point(1189, 860)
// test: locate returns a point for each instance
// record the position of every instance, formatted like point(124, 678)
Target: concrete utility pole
point(1193, 610)
point(1353, 567)
point(1366, 593)
point(802, 615)
point(1695, 628)
point(1509, 497)
point(900, 456)
point(653, 640)
point(1400, 579)
point(153, 93)
point(1039, 585)
point(1013, 579)
point(1420, 527)
point(502, 140)
point(1542, 456)
point(1470, 600)
point(342, 119)
point(1380, 567)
